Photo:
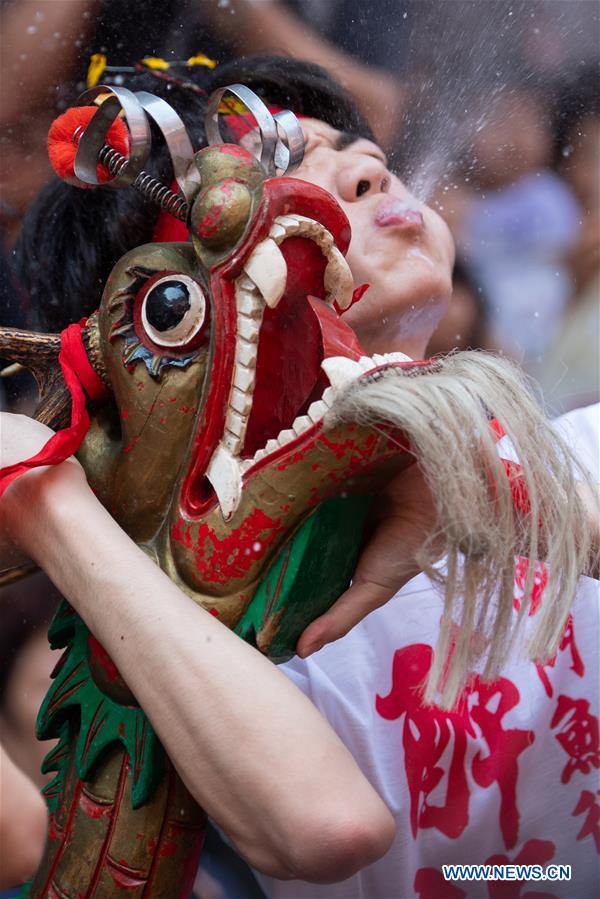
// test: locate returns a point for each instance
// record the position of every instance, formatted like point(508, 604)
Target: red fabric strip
point(74, 355)
point(80, 379)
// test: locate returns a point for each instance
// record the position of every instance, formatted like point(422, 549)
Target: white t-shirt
point(513, 778)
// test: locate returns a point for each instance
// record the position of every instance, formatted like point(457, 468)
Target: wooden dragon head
point(218, 451)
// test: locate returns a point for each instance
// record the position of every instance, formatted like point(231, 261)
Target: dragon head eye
point(173, 310)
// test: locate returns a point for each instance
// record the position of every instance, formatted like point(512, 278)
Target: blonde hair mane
point(445, 412)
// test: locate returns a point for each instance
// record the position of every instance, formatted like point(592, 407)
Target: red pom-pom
point(62, 143)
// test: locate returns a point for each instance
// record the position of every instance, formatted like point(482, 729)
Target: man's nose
point(363, 179)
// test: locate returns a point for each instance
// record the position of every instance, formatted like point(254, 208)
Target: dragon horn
point(39, 354)
point(36, 352)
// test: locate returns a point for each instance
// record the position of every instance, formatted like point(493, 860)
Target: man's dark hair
point(72, 238)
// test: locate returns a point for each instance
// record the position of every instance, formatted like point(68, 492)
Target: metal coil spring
point(150, 187)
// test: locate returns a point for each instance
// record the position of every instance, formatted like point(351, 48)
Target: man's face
point(400, 247)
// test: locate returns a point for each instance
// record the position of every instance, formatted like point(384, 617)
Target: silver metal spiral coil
point(152, 189)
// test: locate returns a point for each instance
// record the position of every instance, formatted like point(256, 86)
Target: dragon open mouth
point(287, 332)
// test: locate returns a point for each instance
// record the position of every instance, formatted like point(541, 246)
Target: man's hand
point(407, 518)
point(21, 504)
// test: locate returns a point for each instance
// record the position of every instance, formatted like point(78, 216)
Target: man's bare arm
point(251, 748)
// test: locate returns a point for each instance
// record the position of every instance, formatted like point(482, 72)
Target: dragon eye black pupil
point(166, 305)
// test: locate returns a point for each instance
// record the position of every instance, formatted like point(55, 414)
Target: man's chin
point(407, 330)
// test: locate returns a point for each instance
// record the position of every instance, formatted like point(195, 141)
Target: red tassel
point(62, 144)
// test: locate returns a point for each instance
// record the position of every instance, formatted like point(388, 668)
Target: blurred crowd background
point(489, 109)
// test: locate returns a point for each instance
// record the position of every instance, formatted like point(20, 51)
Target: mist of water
point(464, 56)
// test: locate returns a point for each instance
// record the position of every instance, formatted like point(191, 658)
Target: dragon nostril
point(362, 187)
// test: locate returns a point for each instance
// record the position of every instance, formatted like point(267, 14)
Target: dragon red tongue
point(295, 337)
point(289, 349)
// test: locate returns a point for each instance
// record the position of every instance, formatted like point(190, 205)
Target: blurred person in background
point(569, 370)
point(26, 662)
point(47, 45)
point(40, 47)
point(23, 823)
point(518, 220)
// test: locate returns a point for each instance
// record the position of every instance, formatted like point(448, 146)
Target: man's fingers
point(352, 606)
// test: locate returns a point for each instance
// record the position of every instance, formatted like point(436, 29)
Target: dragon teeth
point(245, 283)
point(249, 304)
point(235, 423)
point(240, 401)
point(397, 357)
point(338, 279)
point(224, 473)
point(341, 371)
point(289, 222)
point(232, 442)
point(369, 362)
point(316, 411)
point(301, 424)
point(277, 232)
point(248, 328)
point(328, 396)
point(285, 436)
point(243, 378)
point(245, 354)
point(268, 270)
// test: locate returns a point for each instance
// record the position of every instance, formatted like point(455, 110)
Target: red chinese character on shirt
point(534, 852)
point(435, 745)
point(578, 735)
point(591, 825)
point(567, 642)
point(430, 884)
point(429, 735)
point(500, 763)
point(540, 580)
